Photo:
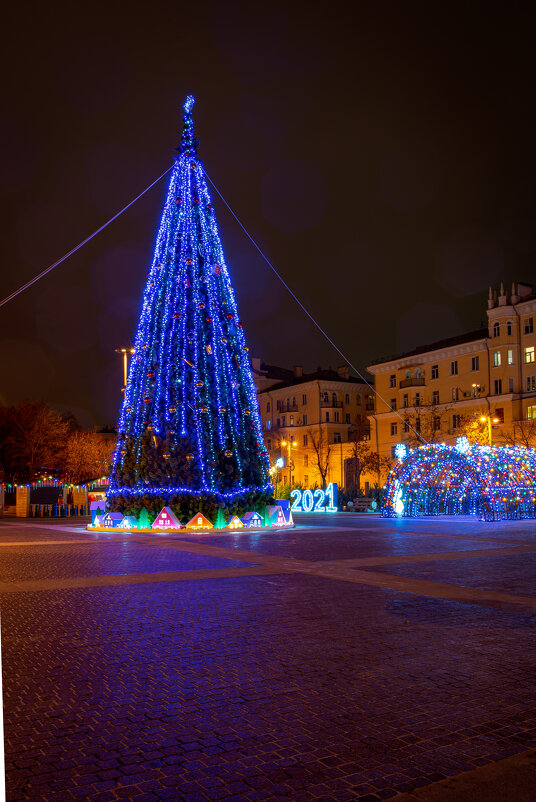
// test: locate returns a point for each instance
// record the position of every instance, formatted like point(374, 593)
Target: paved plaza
point(351, 658)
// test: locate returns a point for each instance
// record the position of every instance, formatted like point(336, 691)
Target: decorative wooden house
point(111, 519)
point(166, 519)
point(199, 522)
point(288, 517)
point(276, 516)
point(252, 520)
point(234, 522)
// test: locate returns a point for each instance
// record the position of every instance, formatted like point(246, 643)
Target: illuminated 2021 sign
point(315, 500)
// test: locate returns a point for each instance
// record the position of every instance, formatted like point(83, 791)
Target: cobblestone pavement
point(349, 658)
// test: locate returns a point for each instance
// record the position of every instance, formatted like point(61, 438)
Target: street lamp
point(125, 352)
point(290, 445)
point(489, 420)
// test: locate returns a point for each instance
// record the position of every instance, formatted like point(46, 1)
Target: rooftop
point(288, 378)
point(479, 334)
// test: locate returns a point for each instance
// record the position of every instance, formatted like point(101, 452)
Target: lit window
point(528, 326)
point(394, 429)
point(531, 412)
point(531, 384)
point(291, 420)
point(496, 329)
point(496, 359)
point(454, 368)
point(529, 353)
point(510, 356)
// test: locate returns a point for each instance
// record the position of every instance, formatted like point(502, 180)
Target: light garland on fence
point(493, 483)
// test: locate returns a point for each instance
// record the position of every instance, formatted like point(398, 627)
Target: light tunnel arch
point(492, 483)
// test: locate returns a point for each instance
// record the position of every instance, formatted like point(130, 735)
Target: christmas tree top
point(189, 427)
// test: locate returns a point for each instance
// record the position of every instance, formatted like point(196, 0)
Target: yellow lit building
point(486, 376)
point(311, 421)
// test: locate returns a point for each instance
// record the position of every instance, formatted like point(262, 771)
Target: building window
point(294, 402)
point(278, 406)
point(529, 354)
point(528, 326)
point(417, 399)
point(304, 439)
point(531, 384)
point(455, 421)
point(268, 424)
point(334, 399)
point(436, 423)
point(347, 398)
point(304, 399)
point(325, 398)
point(392, 403)
point(337, 437)
point(283, 419)
point(358, 398)
point(327, 417)
point(454, 393)
point(454, 368)
point(392, 380)
point(499, 414)
point(435, 372)
point(475, 363)
point(498, 386)
point(347, 417)
point(268, 407)
point(510, 385)
point(305, 420)
point(531, 412)
point(475, 390)
point(306, 460)
point(405, 400)
point(496, 359)
point(394, 429)
point(417, 424)
point(496, 329)
point(278, 423)
point(406, 427)
point(510, 357)
point(435, 397)
point(509, 328)
point(393, 452)
point(292, 420)
point(306, 480)
point(336, 417)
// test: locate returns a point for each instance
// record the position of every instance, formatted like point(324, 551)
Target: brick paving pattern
point(307, 682)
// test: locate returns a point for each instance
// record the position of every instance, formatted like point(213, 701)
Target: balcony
point(287, 408)
point(332, 404)
point(413, 381)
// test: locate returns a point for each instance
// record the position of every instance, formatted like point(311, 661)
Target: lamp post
point(125, 352)
point(489, 420)
point(289, 445)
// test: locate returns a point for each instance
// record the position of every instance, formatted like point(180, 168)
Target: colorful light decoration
point(493, 483)
point(190, 383)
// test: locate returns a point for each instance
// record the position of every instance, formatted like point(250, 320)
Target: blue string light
point(493, 483)
point(190, 409)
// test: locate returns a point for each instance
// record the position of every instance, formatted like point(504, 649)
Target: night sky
point(383, 158)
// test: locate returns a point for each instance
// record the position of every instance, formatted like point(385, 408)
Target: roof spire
point(188, 141)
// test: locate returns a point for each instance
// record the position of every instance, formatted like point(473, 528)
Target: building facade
point(485, 379)
point(311, 422)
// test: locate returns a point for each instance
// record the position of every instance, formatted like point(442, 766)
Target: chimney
point(298, 371)
point(343, 371)
point(491, 302)
point(514, 298)
point(502, 296)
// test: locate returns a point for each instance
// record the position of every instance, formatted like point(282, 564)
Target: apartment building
point(311, 421)
point(488, 374)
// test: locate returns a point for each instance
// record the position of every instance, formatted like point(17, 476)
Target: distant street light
point(489, 420)
point(290, 445)
point(125, 352)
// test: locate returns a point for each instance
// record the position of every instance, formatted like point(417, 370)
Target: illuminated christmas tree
point(189, 434)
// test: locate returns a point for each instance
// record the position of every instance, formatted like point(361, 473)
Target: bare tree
point(430, 421)
point(34, 438)
point(523, 433)
point(321, 452)
point(88, 456)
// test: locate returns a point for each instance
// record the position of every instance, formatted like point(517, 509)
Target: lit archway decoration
point(492, 483)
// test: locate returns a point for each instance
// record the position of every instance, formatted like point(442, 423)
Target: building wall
point(491, 374)
point(332, 412)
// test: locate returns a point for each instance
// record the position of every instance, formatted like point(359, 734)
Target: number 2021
point(315, 500)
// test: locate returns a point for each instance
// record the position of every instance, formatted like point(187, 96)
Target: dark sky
point(383, 157)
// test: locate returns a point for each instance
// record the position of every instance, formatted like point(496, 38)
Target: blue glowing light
point(315, 500)
point(493, 483)
point(190, 422)
point(400, 451)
